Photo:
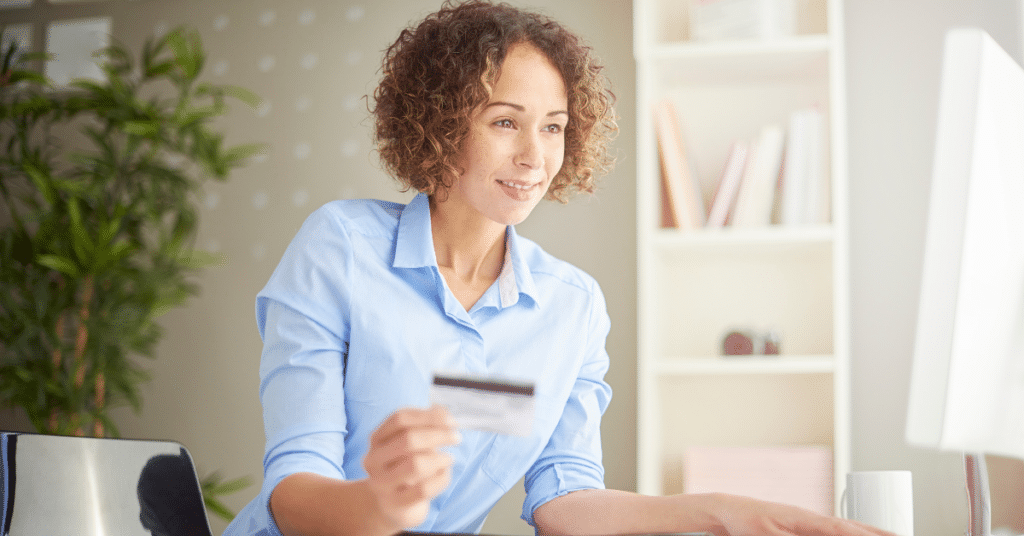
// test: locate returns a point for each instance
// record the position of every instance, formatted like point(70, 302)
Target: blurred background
point(314, 62)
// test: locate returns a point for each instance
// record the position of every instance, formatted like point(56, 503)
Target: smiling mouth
point(518, 186)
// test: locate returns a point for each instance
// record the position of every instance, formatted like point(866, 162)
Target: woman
point(485, 110)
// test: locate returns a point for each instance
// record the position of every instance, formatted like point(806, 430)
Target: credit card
point(485, 403)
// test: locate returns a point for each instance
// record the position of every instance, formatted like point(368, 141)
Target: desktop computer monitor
point(967, 380)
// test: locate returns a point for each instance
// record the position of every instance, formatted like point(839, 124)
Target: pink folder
point(799, 475)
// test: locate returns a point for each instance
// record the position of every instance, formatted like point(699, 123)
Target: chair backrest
point(57, 485)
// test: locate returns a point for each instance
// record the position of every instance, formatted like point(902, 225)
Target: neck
point(470, 248)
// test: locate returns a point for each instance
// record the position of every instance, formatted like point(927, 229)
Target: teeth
point(516, 186)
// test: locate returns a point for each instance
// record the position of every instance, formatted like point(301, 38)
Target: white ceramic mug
point(882, 499)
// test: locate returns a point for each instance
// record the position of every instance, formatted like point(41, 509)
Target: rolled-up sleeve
point(301, 386)
point(571, 460)
point(301, 316)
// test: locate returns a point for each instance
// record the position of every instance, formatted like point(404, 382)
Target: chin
point(515, 216)
point(511, 219)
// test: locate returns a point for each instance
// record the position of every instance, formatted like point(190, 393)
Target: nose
point(530, 152)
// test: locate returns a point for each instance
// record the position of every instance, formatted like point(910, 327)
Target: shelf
point(762, 279)
point(686, 366)
point(760, 48)
point(795, 58)
point(668, 22)
point(773, 235)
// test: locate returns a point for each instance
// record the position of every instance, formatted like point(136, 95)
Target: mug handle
point(842, 503)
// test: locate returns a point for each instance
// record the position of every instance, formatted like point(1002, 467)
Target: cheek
point(469, 161)
point(481, 156)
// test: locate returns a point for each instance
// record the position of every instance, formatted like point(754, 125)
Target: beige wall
point(314, 61)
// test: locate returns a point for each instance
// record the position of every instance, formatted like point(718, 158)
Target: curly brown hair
point(436, 74)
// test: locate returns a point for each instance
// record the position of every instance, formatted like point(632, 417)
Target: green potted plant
point(98, 184)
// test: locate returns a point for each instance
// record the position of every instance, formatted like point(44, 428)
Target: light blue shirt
point(357, 317)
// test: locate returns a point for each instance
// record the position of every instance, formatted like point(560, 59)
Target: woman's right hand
point(405, 464)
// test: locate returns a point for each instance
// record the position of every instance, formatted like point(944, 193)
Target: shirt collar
point(515, 277)
point(414, 248)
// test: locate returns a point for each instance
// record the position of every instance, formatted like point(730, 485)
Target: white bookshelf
point(695, 286)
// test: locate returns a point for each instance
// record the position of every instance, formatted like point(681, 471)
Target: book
point(804, 188)
point(683, 193)
point(760, 179)
point(668, 219)
point(819, 190)
point(728, 186)
point(794, 172)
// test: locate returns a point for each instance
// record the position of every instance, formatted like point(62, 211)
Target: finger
point(408, 418)
point(412, 469)
point(835, 526)
point(856, 528)
point(411, 447)
point(411, 442)
point(414, 482)
point(425, 472)
point(424, 490)
point(441, 413)
point(871, 530)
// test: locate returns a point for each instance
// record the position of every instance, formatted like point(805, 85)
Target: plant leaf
point(31, 76)
point(70, 186)
point(119, 250)
point(197, 259)
point(213, 489)
point(236, 92)
point(159, 69)
point(145, 129)
point(188, 51)
point(212, 483)
point(42, 182)
point(80, 240)
point(243, 94)
point(195, 115)
point(61, 264)
point(8, 56)
point(236, 156)
point(90, 86)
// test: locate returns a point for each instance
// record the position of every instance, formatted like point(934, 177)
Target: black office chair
point(82, 485)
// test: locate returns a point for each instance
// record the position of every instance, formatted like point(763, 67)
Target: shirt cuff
point(287, 464)
point(558, 480)
point(298, 462)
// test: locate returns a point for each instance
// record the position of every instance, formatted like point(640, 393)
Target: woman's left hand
point(742, 516)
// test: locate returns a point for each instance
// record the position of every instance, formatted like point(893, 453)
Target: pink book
point(725, 196)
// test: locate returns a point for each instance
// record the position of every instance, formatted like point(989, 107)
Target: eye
point(554, 128)
point(504, 123)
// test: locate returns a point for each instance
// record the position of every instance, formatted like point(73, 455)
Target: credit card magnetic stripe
point(485, 385)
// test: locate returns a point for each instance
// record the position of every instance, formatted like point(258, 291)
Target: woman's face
point(516, 140)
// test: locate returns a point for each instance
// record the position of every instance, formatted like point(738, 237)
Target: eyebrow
point(522, 108)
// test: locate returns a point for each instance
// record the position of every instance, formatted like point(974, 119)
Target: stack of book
point(780, 176)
